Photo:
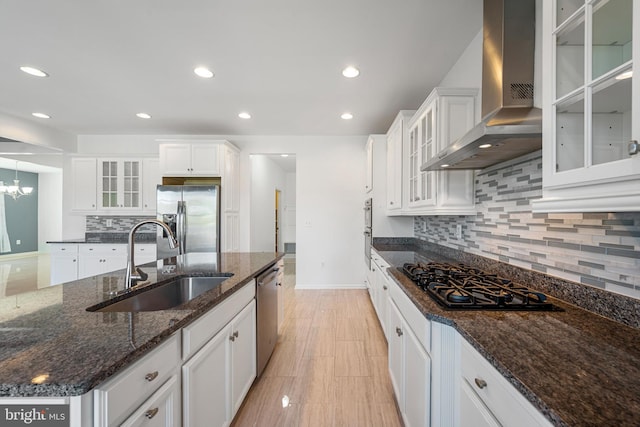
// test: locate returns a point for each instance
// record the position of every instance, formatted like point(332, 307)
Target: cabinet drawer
point(197, 334)
point(502, 399)
point(161, 409)
point(64, 249)
point(101, 248)
point(420, 325)
point(119, 396)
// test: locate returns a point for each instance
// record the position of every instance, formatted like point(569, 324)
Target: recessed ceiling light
point(284, 155)
point(625, 75)
point(41, 115)
point(144, 115)
point(350, 72)
point(347, 116)
point(484, 146)
point(34, 72)
point(203, 72)
point(244, 115)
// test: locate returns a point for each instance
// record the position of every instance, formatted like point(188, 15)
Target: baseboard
point(331, 286)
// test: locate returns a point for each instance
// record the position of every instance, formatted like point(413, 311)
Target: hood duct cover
point(511, 125)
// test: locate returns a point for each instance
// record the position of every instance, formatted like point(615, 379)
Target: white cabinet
point(119, 184)
point(64, 263)
point(368, 186)
point(190, 158)
point(380, 288)
point(486, 392)
point(100, 258)
point(591, 106)
point(117, 399)
point(144, 253)
point(396, 137)
point(409, 369)
point(162, 409)
point(220, 349)
point(84, 182)
point(150, 180)
point(445, 116)
point(230, 203)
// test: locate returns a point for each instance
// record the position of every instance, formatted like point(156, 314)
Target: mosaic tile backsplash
point(116, 224)
point(596, 249)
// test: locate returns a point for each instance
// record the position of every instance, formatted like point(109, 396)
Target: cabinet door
point(84, 184)
point(145, 253)
point(150, 180)
point(473, 413)
point(231, 229)
point(119, 186)
point(205, 159)
point(230, 180)
point(175, 159)
point(162, 409)
point(369, 167)
point(394, 166)
point(205, 384)
point(243, 354)
point(422, 147)
point(396, 353)
point(64, 268)
point(417, 381)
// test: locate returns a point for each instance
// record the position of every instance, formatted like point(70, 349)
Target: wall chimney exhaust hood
point(511, 125)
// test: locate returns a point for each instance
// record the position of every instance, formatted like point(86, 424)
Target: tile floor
point(23, 273)
point(329, 367)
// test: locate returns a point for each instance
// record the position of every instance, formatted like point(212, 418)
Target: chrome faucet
point(130, 278)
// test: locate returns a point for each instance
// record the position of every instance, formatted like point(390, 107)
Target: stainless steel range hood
point(511, 125)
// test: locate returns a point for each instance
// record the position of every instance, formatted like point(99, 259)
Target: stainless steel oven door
point(367, 247)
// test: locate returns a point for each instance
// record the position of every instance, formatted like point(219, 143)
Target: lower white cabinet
point(379, 288)
point(120, 398)
point(486, 394)
point(410, 370)
point(64, 263)
point(101, 258)
point(217, 378)
point(162, 409)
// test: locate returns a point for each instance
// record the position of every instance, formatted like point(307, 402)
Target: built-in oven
point(367, 231)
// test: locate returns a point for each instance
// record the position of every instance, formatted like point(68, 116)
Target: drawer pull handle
point(151, 413)
point(399, 331)
point(235, 334)
point(480, 383)
point(151, 376)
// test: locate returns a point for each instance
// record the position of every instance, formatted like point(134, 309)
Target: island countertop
point(578, 368)
point(51, 346)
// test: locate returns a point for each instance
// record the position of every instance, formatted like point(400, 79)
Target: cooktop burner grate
point(463, 287)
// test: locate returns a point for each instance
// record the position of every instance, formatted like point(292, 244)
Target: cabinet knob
point(151, 413)
point(151, 376)
point(235, 334)
point(384, 287)
point(390, 203)
point(398, 331)
point(480, 383)
point(232, 338)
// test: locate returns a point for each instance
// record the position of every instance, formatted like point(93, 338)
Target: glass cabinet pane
point(570, 134)
point(611, 120)
point(570, 57)
point(566, 8)
point(612, 24)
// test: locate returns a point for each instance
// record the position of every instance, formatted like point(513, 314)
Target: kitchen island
point(576, 367)
point(53, 347)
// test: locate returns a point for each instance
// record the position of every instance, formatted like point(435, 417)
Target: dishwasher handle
point(269, 277)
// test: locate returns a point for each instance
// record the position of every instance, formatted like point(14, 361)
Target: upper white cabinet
point(230, 234)
point(445, 116)
point(190, 158)
point(368, 186)
point(120, 184)
point(396, 137)
point(84, 182)
point(150, 180)
point(591, 106)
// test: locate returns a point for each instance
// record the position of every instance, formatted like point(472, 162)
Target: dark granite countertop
point(48, 334)
point(108, 238)
point(578, 368)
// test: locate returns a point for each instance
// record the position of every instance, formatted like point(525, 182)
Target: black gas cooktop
point(463, 287)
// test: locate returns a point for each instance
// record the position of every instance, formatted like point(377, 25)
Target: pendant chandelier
point(15, 190)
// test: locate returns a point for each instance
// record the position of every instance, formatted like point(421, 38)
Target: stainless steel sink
point(166, 296)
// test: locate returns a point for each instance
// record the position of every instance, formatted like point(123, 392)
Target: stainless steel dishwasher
point(267, 315)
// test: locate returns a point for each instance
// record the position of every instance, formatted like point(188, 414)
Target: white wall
point(266, 178)
point(329, 183)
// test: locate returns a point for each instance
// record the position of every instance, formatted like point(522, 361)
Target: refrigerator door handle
point(181, 227)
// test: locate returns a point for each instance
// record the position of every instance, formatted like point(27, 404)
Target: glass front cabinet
point(591, 106)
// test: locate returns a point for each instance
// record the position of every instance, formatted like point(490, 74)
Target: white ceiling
point(280, 60)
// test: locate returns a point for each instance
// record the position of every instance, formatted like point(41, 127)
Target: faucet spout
point(135, 274)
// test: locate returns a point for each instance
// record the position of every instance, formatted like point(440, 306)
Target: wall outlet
point(109, 222)
point(424, 226)
point(18, 242)
point(459, 231)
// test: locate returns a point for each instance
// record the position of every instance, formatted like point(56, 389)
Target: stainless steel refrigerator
point(193, 214)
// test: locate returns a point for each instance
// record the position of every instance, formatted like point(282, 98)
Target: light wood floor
point(329, 367)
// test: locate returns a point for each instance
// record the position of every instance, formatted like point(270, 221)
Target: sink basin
point(166, 296)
